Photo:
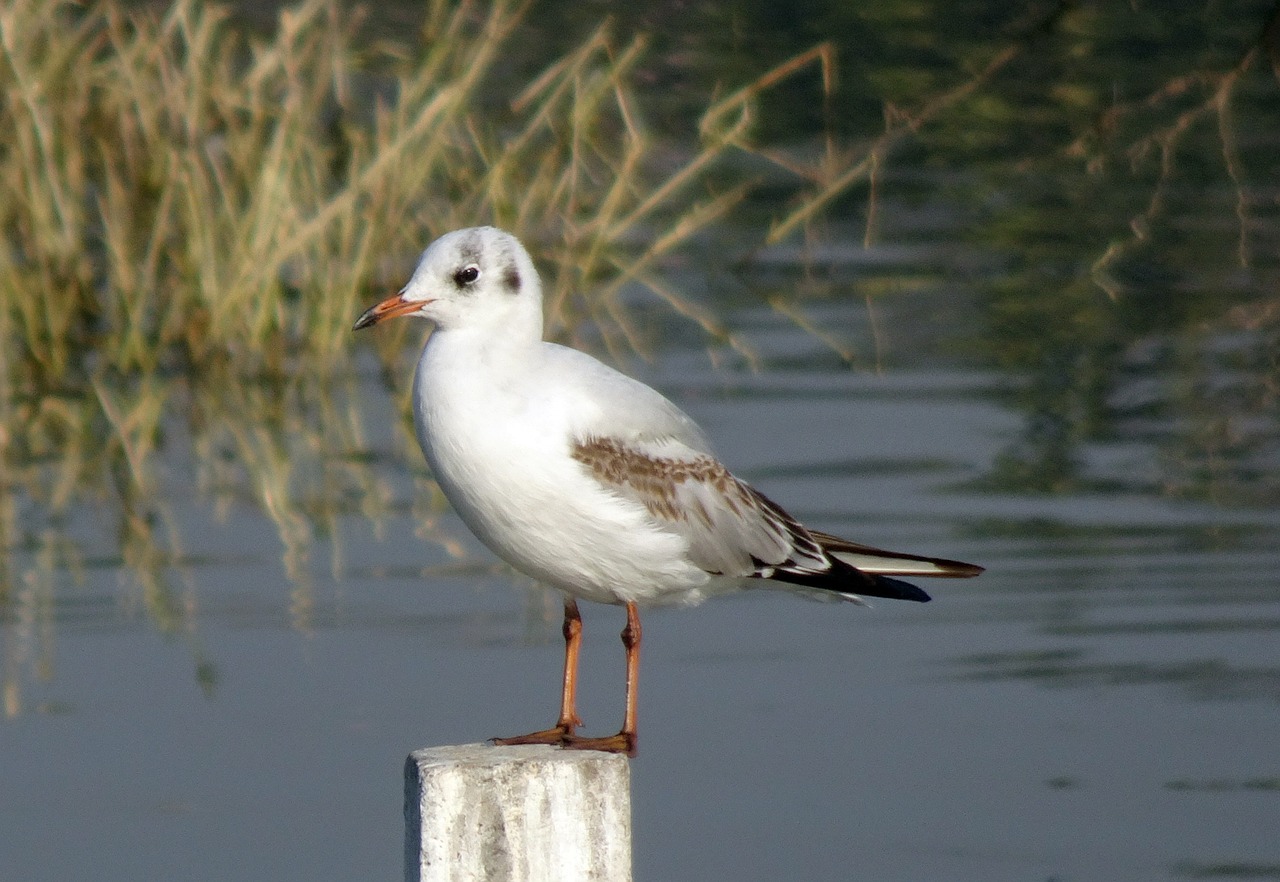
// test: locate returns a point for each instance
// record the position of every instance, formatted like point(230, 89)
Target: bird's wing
point(731, 530)
point(639, 445)
point(642, 447)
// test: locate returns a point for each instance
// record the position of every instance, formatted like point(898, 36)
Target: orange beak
point(389, 308)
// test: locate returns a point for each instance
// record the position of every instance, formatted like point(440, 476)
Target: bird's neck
point(495, 349)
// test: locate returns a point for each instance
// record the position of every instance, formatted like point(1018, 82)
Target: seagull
point(590, 481)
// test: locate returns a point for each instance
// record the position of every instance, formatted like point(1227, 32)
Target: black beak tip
point(367, 319)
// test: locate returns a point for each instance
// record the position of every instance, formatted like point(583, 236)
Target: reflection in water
point(1058, 229)
point(1138, 321)
point(105, 478)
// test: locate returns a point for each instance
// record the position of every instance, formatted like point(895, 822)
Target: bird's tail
point(878, 562)
point(866, 571)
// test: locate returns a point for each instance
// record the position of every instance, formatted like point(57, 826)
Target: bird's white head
point(480, 277)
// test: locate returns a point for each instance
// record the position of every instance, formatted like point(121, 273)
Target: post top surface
point(485, 754)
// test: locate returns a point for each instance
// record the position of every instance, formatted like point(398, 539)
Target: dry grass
point(172, 190)
point(192, 218)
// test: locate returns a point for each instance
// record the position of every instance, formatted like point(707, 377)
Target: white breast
point(496, 428)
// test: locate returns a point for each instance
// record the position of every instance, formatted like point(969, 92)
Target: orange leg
point(568, 721)
point(625, 740)
point(563, 733)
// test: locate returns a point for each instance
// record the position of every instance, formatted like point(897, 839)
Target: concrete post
point(528, 813)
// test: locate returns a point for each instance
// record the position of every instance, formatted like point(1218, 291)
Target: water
point(1103, 703)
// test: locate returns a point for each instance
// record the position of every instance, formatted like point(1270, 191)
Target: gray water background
point(1103, 703)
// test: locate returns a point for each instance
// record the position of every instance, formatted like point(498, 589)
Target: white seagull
point(592, 482)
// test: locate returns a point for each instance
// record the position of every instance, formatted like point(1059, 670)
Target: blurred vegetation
point(1140, 229)
point(193, 213)
point(196, 201)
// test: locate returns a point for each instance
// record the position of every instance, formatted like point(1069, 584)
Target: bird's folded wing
point(731, 530)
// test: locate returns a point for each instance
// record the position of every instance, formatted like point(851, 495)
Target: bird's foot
point(623, 742)
point(555, 735)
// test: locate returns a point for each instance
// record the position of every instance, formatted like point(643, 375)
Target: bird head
point(477, 277)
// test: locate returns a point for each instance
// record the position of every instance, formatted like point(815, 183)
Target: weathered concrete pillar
point(528, 813)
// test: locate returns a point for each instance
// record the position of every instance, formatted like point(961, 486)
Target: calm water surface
point(1103, 703)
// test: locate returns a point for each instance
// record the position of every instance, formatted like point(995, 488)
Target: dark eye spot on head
point(511, 278)
point(466, 275)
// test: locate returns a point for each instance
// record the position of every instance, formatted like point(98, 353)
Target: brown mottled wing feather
point(729, 532)
point(733, 530)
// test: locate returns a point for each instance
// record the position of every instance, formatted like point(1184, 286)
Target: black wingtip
point(895, 589)
point(852, 583)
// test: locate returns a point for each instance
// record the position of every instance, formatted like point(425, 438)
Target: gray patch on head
point(511, 276)
point(470, 249)
point(505, 265)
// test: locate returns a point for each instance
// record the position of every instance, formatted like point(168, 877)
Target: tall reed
point(192, 217)
point(172, 188)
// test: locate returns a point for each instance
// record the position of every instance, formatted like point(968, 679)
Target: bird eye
point(467, 275)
